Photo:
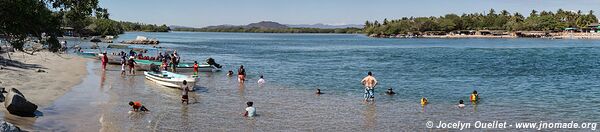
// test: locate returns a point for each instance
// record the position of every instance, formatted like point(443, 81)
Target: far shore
point(532, 34)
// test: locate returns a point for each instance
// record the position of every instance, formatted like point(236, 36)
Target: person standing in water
point(164, 65)
point(123, 64)
point(132, 64)
point(184, 95)
point(241, 74)
point(173, 63)
point(369, 82)
point(474, 97)
point(196, 68)
point(104, 60)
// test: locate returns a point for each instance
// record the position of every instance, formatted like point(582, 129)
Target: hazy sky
point(200, 13)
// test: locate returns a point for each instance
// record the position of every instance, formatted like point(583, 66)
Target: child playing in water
point(250, 111)
point(261, 80)
point(423, 101)
point(184, 94)
point(137, 106)
point(461, 104)
point(318, 91)
point(474, 97)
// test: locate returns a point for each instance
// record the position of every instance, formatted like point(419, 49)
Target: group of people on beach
point(369, 82)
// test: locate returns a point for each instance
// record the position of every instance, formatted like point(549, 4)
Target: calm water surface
point(518, 80)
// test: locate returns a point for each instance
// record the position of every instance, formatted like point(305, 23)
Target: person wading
point(369, 82)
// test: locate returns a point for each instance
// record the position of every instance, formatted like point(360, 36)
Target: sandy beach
point(59, 73)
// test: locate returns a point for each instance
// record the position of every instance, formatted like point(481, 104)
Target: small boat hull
point(170, 79)
point(144, 65)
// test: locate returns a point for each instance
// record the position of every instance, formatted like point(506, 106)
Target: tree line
point(504, 20)
point(22, 19)
point(102, 26)
point(270, 30)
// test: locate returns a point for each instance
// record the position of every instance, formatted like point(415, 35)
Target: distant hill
point(274, 27)
point(173, 27)
point(267, 25)
point(324, 26)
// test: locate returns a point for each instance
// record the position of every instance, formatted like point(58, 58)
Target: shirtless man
point(369, 82)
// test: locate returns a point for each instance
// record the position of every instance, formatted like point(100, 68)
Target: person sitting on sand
point(318, 91)
point(474, 96)
point(241, 74)
point(184, 94)
point(390, 91)
point(461, 104)
point(424, 101)
point(132, 64)
point(137, 106)
point(261, 80)
point(250, 111)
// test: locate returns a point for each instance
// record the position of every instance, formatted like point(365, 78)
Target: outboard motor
point(212, 62)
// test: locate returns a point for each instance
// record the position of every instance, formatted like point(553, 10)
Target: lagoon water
point(518, 80)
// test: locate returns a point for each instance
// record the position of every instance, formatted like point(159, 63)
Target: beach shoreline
point(42, 76)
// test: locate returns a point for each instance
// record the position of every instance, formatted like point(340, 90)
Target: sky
point(201, 13)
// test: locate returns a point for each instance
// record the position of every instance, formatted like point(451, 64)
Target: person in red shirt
point(196, 68)
point(104, 60)
point(137, 106)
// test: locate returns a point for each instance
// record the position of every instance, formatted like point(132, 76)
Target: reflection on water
point(370, 115)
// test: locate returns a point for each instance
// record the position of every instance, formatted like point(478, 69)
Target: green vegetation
point(537, 21)
point(130, 26)
point(101, 27)
point(270, 30)
point(31, 18)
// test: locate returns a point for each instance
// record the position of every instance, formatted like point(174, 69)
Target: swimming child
point(461, 104)
point(261, 80)
point(424, 101)
point(474, 97)
point(390, 91)
point(184, 94)
point(250, 111)
point(230, 73)
point(318, 91)
point(137, 106)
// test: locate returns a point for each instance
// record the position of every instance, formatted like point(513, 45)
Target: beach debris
point(2, 98)
point(40, 70)
point(16, 104)
point(141, 40)
point(8, 127)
